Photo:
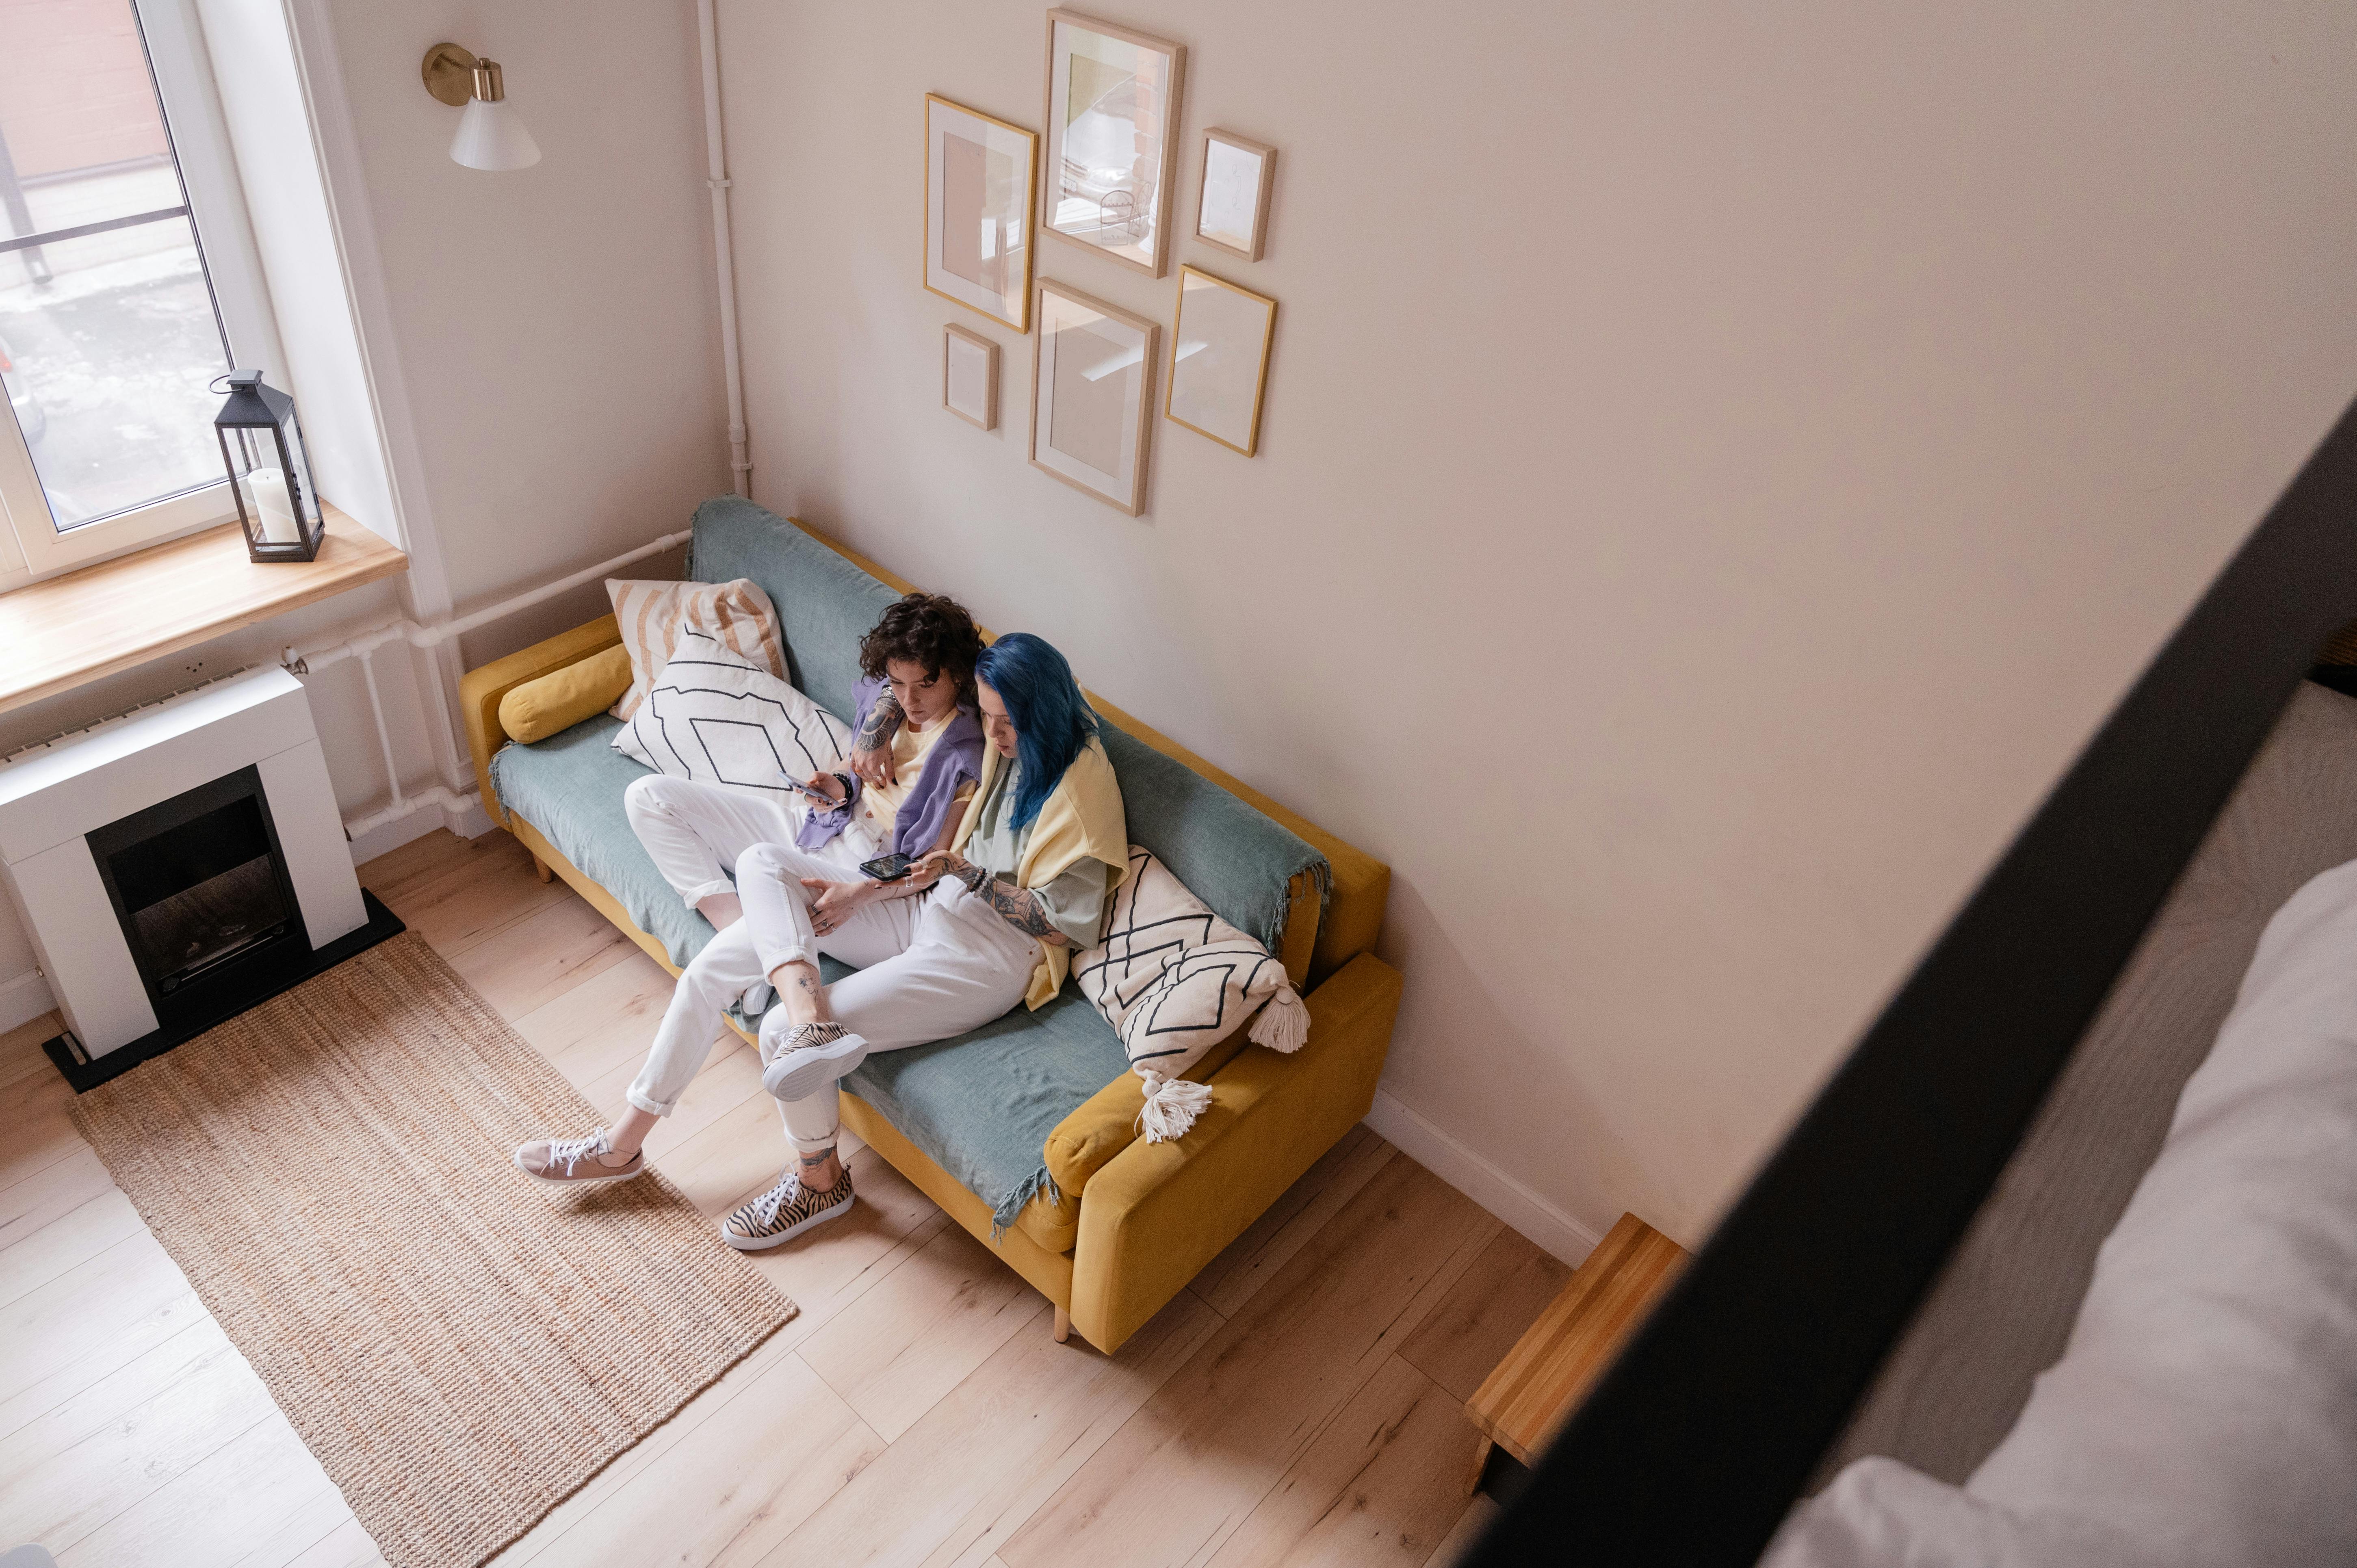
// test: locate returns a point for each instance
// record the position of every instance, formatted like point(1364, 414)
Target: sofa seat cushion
point(983, 1106)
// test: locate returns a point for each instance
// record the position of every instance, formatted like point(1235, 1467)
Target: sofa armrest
point(479, 692)
point(1158, 1213)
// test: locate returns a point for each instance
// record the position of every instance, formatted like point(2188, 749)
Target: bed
point(1898, 1344)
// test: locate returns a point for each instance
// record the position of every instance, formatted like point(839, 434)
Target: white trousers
point(931, 966)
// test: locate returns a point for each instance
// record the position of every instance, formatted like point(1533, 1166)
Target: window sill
point(60, 633)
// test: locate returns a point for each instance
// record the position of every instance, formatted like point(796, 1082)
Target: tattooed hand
point(871, 749)
point(1018, 906)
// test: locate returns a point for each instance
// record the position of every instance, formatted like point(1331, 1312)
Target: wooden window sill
point(58, 634)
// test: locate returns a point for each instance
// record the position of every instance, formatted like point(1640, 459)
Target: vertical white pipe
point(383, 733)
point(740, 467)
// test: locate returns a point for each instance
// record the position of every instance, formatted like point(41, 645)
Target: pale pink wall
point(1719, 465)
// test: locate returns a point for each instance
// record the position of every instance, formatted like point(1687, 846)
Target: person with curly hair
point(918, 762)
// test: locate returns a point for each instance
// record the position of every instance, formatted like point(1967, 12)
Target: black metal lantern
point(262, 443)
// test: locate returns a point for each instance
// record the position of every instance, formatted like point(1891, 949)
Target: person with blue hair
point(972, 928)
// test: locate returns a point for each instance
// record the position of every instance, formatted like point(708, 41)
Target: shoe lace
point(766, 1207)
point(568, 1152)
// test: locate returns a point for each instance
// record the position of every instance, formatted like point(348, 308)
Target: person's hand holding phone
point(827, 788)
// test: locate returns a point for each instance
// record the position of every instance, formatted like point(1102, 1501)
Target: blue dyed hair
point(1052, 720)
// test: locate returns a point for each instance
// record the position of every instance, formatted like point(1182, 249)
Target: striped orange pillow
point(651, 614)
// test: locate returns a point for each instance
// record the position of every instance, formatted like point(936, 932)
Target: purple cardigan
point(954, 760)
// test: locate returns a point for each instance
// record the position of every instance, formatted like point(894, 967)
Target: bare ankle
point(723, 910)
point(819, 1171)
point(800, 994)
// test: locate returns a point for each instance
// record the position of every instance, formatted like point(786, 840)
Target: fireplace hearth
point(158, 911)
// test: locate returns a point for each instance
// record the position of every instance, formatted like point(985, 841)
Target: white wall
point(1718, 467)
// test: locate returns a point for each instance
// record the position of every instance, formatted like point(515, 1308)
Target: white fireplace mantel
point(51, 798)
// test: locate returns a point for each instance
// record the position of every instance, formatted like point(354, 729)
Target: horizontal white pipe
point(408, 806)
point(404, 804)
point(418, 636)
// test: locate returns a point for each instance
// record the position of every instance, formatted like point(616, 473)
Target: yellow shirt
point(879, 808)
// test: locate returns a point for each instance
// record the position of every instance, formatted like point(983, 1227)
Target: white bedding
point(2205, 1410)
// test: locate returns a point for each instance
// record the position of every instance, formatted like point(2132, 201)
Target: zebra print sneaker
point(784, 1212)
point(807, 1057)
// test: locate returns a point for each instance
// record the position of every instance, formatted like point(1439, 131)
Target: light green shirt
point(1075, 900)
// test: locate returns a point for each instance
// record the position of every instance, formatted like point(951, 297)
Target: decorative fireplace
point(158, 911)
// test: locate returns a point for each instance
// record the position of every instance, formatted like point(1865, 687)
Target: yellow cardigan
point(1081, 819)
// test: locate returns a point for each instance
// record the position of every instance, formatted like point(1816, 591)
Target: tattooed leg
point(801, 993)
point(819, 1172)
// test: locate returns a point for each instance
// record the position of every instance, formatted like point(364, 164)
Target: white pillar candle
point(273, 508)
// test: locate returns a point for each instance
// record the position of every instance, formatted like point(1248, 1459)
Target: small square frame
point(954, 337)
point(1266, 155)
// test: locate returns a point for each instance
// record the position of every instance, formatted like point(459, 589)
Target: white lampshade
point(491, 136)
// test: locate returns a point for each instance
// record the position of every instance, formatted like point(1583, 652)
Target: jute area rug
point(460, 1348)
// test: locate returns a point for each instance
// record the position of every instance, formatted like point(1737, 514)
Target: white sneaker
point(808, 1058)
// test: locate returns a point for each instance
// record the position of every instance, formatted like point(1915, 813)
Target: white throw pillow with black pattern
point(715, 714)
point(1175, 980)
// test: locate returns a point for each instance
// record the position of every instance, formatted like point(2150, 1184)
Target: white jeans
point(930, 966)
point(693, 831)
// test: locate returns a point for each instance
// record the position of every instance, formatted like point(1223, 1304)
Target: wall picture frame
point(969, 376)
point(1092, 368)
point(1231, 203)
point(981, 179)
point(1112, 154)
point(1220, 339)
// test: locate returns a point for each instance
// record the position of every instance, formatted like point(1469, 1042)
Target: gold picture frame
point(1093, 369)
point(980, 210)
point(960, 349)
point(1218, 375)
point(1110, 90)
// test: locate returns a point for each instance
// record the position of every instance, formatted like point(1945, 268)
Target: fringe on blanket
point(1321, 876)
point(1039, 1183)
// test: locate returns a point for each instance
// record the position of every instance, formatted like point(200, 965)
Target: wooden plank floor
point(1302, 1403)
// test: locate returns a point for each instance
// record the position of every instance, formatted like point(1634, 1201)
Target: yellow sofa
point(1135, 1221)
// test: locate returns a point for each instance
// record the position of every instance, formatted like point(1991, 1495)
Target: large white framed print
point(1093, 394)
point(1218, 360)
point(1112, 117)
point(980, 174)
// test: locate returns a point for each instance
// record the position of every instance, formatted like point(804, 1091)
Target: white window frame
point(31, 544)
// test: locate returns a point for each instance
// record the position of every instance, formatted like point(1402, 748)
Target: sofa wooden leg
point(540, 869)
point(1063, 1325)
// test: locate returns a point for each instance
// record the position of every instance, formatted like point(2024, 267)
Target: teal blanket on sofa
point(981, 1106)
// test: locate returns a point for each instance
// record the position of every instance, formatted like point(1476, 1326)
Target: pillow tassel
point(1283, 1024)
point(1171, 1106)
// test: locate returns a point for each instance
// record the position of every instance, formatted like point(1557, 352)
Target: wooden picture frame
point(1213, 363)
point(1221, 206)
point(1091, 196)
point(969, 376)
point(981, 184)
point(1093, 394)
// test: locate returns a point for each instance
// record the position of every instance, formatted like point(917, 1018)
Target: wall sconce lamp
point(490, 136)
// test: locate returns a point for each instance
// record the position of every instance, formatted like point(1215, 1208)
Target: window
point(128, 283)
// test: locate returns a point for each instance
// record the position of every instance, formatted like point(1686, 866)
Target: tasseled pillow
point(1174, 980)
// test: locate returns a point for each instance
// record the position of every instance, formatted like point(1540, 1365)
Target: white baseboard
point(23, 998)
point(383, 839)
point(1541, 1222)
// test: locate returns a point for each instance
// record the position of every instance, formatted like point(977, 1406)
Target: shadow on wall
point(1420, 947)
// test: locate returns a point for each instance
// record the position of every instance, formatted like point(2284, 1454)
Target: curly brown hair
point(932, 630)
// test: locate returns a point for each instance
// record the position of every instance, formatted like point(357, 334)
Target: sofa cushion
point(563, 698)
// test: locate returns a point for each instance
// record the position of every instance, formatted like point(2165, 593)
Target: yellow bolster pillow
point(558, 701)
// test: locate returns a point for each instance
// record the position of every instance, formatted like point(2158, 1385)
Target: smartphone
point(887, 867)
point(815, 797)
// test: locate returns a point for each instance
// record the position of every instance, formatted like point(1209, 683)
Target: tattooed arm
point(871, 749)
point(1070, 920)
